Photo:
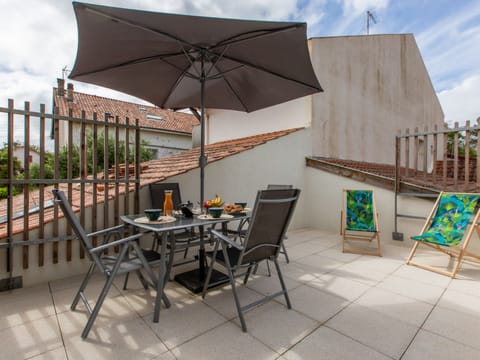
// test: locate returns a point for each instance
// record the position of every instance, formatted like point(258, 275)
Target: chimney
point(70, 92)
point(60, 87)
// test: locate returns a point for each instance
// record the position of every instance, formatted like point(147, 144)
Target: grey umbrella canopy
point(179, 61)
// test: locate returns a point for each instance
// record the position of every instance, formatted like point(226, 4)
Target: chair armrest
point(107, 231)
point(222, 237)
point(103, 247)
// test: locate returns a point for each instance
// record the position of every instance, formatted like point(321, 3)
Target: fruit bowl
point(153, 214)
point(215, 212)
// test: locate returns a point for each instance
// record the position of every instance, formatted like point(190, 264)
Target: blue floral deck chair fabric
point(359, 221)
point(449, 229)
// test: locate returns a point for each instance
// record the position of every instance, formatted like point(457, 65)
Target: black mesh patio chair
point(130, 257)
point(183, 238)
point(281, 187)
point(271, 215)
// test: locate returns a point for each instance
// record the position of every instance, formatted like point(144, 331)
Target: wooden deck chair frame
point(459, 252)
point(358, 235)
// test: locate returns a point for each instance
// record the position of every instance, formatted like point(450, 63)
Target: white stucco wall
point(225, 125)
point(238, 177)
point(325, 204)
point(374, 85)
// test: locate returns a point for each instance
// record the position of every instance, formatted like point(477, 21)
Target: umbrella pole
point(194, 279)
point(202, 162)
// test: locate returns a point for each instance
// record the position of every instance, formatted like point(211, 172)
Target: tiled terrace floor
point(344, 307)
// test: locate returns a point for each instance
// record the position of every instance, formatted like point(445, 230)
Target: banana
point(215, 202)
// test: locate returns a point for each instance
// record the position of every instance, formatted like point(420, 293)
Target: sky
point(38, 39)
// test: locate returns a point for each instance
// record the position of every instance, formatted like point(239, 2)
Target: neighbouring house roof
point(152, 171)
point(383, 175)
point(170, 120)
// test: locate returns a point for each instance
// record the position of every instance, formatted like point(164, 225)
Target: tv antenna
point(370, 16)
point(65, 71)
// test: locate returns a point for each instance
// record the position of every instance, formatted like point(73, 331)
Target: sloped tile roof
point(171, 120)
point(152, 171)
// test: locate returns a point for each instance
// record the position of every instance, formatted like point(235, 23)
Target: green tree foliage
point(17, 169)
point(462, 143)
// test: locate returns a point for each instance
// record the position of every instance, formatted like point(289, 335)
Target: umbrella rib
point(245, 63)
point(140, 61)
point(255, 34)
point(137, 25)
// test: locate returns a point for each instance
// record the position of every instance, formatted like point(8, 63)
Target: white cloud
point(450, 46)
point(460, 103)
point(357, 7)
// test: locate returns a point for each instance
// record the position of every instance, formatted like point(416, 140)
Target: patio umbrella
point(179, 61)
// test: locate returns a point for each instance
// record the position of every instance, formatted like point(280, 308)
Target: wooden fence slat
point(41, 188)
point(455, 157)
point(434, 153)
point(26, 187)
point(467, 156)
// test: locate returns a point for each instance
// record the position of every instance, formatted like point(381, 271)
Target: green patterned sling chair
point(447, 229)
point(359, 222)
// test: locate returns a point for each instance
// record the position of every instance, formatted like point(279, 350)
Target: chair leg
point(231, 275)
point(126, 281)
point(282, 283)
point(82, 287)
point(412, 252)
point(247, 274)
point(98, 305)
point(210, 269)
point(104, 292)
point(285, 253)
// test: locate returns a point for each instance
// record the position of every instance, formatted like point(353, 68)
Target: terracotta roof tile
point(153, 171)
point(171, 120)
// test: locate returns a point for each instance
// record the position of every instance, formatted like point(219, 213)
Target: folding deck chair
point(130, 257)
point(271, 215)
point(359, 221)
point(446, 227)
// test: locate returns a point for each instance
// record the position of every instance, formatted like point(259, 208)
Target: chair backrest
point(452, 216)
point(360, 211)
point(157, 194)
point(278, 187)
point(62, 201)
point(271, 216)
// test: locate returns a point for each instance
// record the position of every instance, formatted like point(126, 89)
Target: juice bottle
point(168, 203)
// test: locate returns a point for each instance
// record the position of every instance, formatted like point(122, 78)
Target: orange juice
point(168, 203)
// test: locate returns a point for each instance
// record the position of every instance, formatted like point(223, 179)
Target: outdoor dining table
point(165, 231)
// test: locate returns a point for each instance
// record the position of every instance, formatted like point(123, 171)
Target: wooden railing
point(442, 159)
point(30, 217)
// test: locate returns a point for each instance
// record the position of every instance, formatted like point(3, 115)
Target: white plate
point(160, 220)
point(210, 217)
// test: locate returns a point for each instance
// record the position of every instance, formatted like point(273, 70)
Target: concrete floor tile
point(401, 307)
point(184, 320)
point(455, 325)
point(460, 301)
point(57, 354)
point(314, 303)
point(421, 275)
point(224, 342)
point(338, 286)
point(277, 326)
point(30, 339)
point(430, 346)
point(123, 340)
point(412, 289)
point(386, 334)
point(21, 306)
point(325, 343)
